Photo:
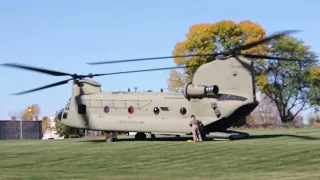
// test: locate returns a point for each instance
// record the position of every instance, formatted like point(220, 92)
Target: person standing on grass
point(194, 123)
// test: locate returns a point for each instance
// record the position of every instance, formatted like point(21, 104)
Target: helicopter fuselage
point(157, 112)
point(221, 93)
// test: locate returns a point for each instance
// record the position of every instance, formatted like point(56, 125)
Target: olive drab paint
point(215, 93)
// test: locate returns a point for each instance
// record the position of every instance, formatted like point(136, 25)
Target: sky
point(65, 35)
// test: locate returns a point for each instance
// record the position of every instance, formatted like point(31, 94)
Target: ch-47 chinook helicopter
point(221, 92)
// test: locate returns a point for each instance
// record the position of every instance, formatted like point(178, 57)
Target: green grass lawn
point(269, 154)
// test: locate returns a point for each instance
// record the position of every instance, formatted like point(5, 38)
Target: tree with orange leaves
point(31, 112)
point(211, 38)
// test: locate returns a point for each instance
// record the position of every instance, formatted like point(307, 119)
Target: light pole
point(21, 127)
point(21, 119)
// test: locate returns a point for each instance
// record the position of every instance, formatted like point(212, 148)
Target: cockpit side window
point(59, 114)
point(65, 115)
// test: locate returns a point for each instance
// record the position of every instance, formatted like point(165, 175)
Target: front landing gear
point(111, 137)
point(140, 136)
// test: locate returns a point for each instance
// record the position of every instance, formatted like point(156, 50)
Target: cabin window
point(82, 109)
point(156, 110)
point(59, 115)
point(183, 111)
point(131, 110)
point(65, 115)
point(106, 109)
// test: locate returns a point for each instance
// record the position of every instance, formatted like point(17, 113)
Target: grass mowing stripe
point(281, 157)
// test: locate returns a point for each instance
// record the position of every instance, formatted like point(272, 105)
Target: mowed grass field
point(268, 154)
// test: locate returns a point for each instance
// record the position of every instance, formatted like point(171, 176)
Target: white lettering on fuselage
point(131, 122)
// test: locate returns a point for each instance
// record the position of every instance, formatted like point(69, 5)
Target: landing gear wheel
point(140, 136)
point(111, 137)
point(153, 137)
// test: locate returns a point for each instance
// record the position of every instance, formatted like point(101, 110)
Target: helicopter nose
point(58, 117)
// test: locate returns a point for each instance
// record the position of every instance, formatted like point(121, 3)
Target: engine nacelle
point(199, 91)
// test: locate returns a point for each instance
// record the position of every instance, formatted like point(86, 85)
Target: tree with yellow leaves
point(212, 38)
point(31, 112)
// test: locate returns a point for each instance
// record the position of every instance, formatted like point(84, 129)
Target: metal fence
point(20, 130)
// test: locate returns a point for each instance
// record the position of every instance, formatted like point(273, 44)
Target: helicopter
point(221, 92)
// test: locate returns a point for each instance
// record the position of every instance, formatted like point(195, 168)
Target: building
point(50, 133)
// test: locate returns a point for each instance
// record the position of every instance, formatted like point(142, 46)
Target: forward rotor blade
point(146, 59)
point(250, 45)
point(144, 70)
point(45, 87)
point(41, 70)
point(244, 47)
point(268, 57)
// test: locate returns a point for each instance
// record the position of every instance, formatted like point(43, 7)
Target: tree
point(211, 38)
point(176, 81)
point(290, 84)
point(315, 95)
point(31, 112)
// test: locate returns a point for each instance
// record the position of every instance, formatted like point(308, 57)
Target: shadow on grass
point(148, 139)
point(282, 135)
point(208, 138)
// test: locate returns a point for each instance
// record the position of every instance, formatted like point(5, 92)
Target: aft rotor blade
point(144, 70)
point(268, 57)
point(147, 59)
point(250, 45)
point(44, 87)
point(36, 69)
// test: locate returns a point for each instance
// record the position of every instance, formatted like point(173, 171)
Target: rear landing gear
point(153, 137)
point(111, 137)
point(140, 136)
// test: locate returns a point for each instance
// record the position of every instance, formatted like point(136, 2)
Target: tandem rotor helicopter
point(221, 92)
